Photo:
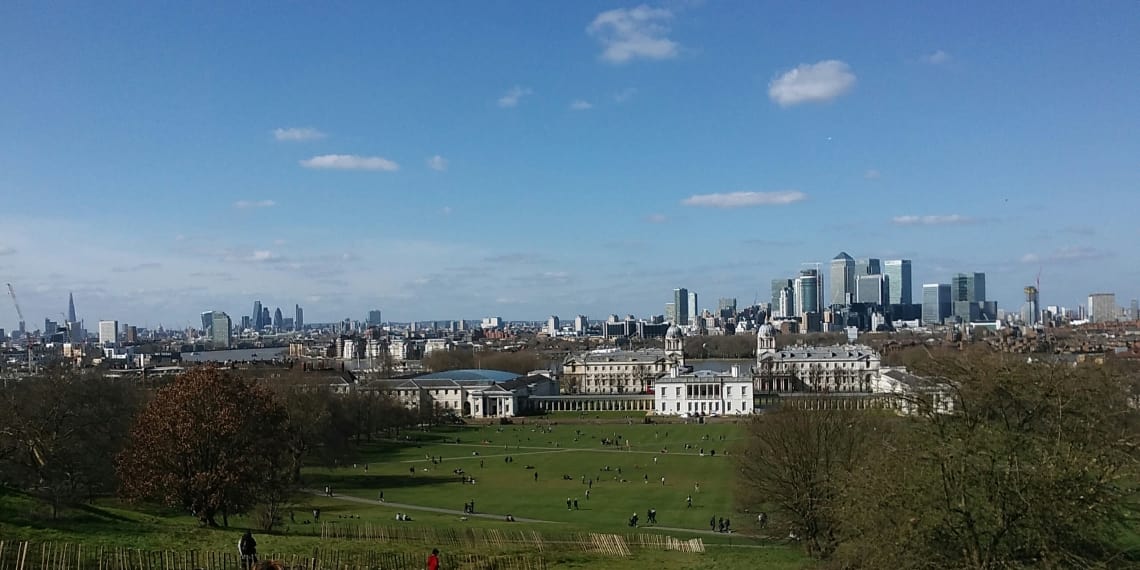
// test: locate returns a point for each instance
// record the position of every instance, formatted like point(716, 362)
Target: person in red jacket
point(433, 560)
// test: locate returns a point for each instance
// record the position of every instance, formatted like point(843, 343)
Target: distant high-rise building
point(374, 318)
point(553, 325)
point(781, 289)
point(220, 334)
point(968, 298)
point(108, 333)
point(726, 307)
point(278, 319)
point(246, 323)
point(681, 306)
point(71, 318)
point(670, 313)
point(872, 289)
point(842, 279)
point(207, 322)
point(256, 317)
point(1102, 307)
point(899, 281)
point(298, 318)
point(1031, 310)
point(868, 266)
point(808, 292)
point(1134, 310)
point(266, 320)
point(694, 308)
point(131, 334)
point(581, 325)
point(935, 303)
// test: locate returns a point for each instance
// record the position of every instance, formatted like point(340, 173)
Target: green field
point(550, 448)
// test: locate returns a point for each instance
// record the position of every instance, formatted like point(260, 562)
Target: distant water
point(720, 365)
point(240, 355)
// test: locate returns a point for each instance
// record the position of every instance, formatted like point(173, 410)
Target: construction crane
point(23, 327)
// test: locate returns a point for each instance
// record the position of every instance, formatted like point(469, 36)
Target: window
point(678, 391)
point(728, 391)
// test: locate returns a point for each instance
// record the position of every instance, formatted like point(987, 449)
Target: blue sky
point(439, 160)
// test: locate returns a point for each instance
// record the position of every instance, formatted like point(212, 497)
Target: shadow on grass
point(376, 482)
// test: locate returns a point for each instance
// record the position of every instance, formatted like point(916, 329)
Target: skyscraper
point(808, 292)
point(265, 319)
point(108, 333)
point(553, 325)
point(842, 279)
point(868, 266)
point(694, 308)
point(581, 325)
point(71, 309)
point(1031, 310)
point(374, 318)
point(681, 306)
point(257, 322)
point(872, 289)
point(968, 298)
point(220, 333)
point(299, 318)
point(726, 307)
point(1102, 307)
point(278, 319)
point(898, 281)
point(782, 289)
point(207, 322)
point(671, 313)
point(935, 302)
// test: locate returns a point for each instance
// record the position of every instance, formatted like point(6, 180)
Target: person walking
point(689, 502)
point(712, 524)
point(433, 560)
point(587, 494)
point(575, 504)
point(247, 550)
point(536, 476)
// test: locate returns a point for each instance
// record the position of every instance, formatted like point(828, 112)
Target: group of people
point(720, 525)
point(469, 507)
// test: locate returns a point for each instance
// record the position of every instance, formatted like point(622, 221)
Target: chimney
point(736, 371)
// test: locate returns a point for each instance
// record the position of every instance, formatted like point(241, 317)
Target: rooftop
point(471, 375)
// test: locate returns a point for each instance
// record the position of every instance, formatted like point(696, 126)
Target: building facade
point(221, 334)
point(839, 368)
point(108, 333)
point(935, 303)
point(1102, 308)
point(901, 287)
point(623, 371)
point(842, 279)
point(704, 393)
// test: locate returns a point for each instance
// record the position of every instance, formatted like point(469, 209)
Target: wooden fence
point(56, 556)
point(614, 544)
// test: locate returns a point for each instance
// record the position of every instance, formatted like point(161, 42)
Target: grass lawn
point(550, 447)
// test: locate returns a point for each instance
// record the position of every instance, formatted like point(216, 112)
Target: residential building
point(1102, 307)
point(553, 326)
point(842, 279)
point(108, 334)
point(491, 323)
point(935, 303)
point(703, 393)
point(220, 330)
point(681, 306)
point(900, 287)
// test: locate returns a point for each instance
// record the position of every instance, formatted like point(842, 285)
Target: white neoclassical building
point(623, 371)
point(704, 392)
point(838, 368)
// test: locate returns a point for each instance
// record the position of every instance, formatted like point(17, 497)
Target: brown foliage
point(210, 443)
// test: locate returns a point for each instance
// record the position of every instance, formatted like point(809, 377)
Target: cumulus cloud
point(657, 218)
point(246, 204)
point(437, 163)
point(872, 174)
point(1068, 254)
point(298, 134)
point(745, 199)
point(513, 95)
point(936, 58)
point(627, 34)
point(936, 220)
point(350, 162)
point(581, 105)
point(812, 83)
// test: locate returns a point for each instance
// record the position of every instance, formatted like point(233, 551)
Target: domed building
point(800, 368)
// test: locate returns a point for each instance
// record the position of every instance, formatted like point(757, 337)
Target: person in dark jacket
point(247, 550)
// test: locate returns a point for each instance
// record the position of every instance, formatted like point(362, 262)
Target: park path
point(351, 499)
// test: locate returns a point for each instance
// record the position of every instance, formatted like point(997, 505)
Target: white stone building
point(704, 393)
point(623, 371)
point(839, 368)
point(471, 393)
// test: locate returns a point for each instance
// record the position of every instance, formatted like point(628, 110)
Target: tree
point(1037, 468)
point(795, 465)
point(211, 443)
point(57, 430)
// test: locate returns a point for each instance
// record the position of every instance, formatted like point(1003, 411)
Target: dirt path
point(351, 499)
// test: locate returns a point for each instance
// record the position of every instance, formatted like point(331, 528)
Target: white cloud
point(350, 162)
point(244, 204)
point(295, 134)
point(437, 163)
point(263, 255)
point(745, 199)
point(627, 34)
point(936, 58)
point(812, 83)
point(625, 94)
point(937, 220)
point(581, 105)
point(872, 174)
point(513, 95)
point(7, 250)
point(1068, 254)
point(657, 218)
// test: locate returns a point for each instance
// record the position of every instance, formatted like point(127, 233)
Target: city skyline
point(457, 160)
